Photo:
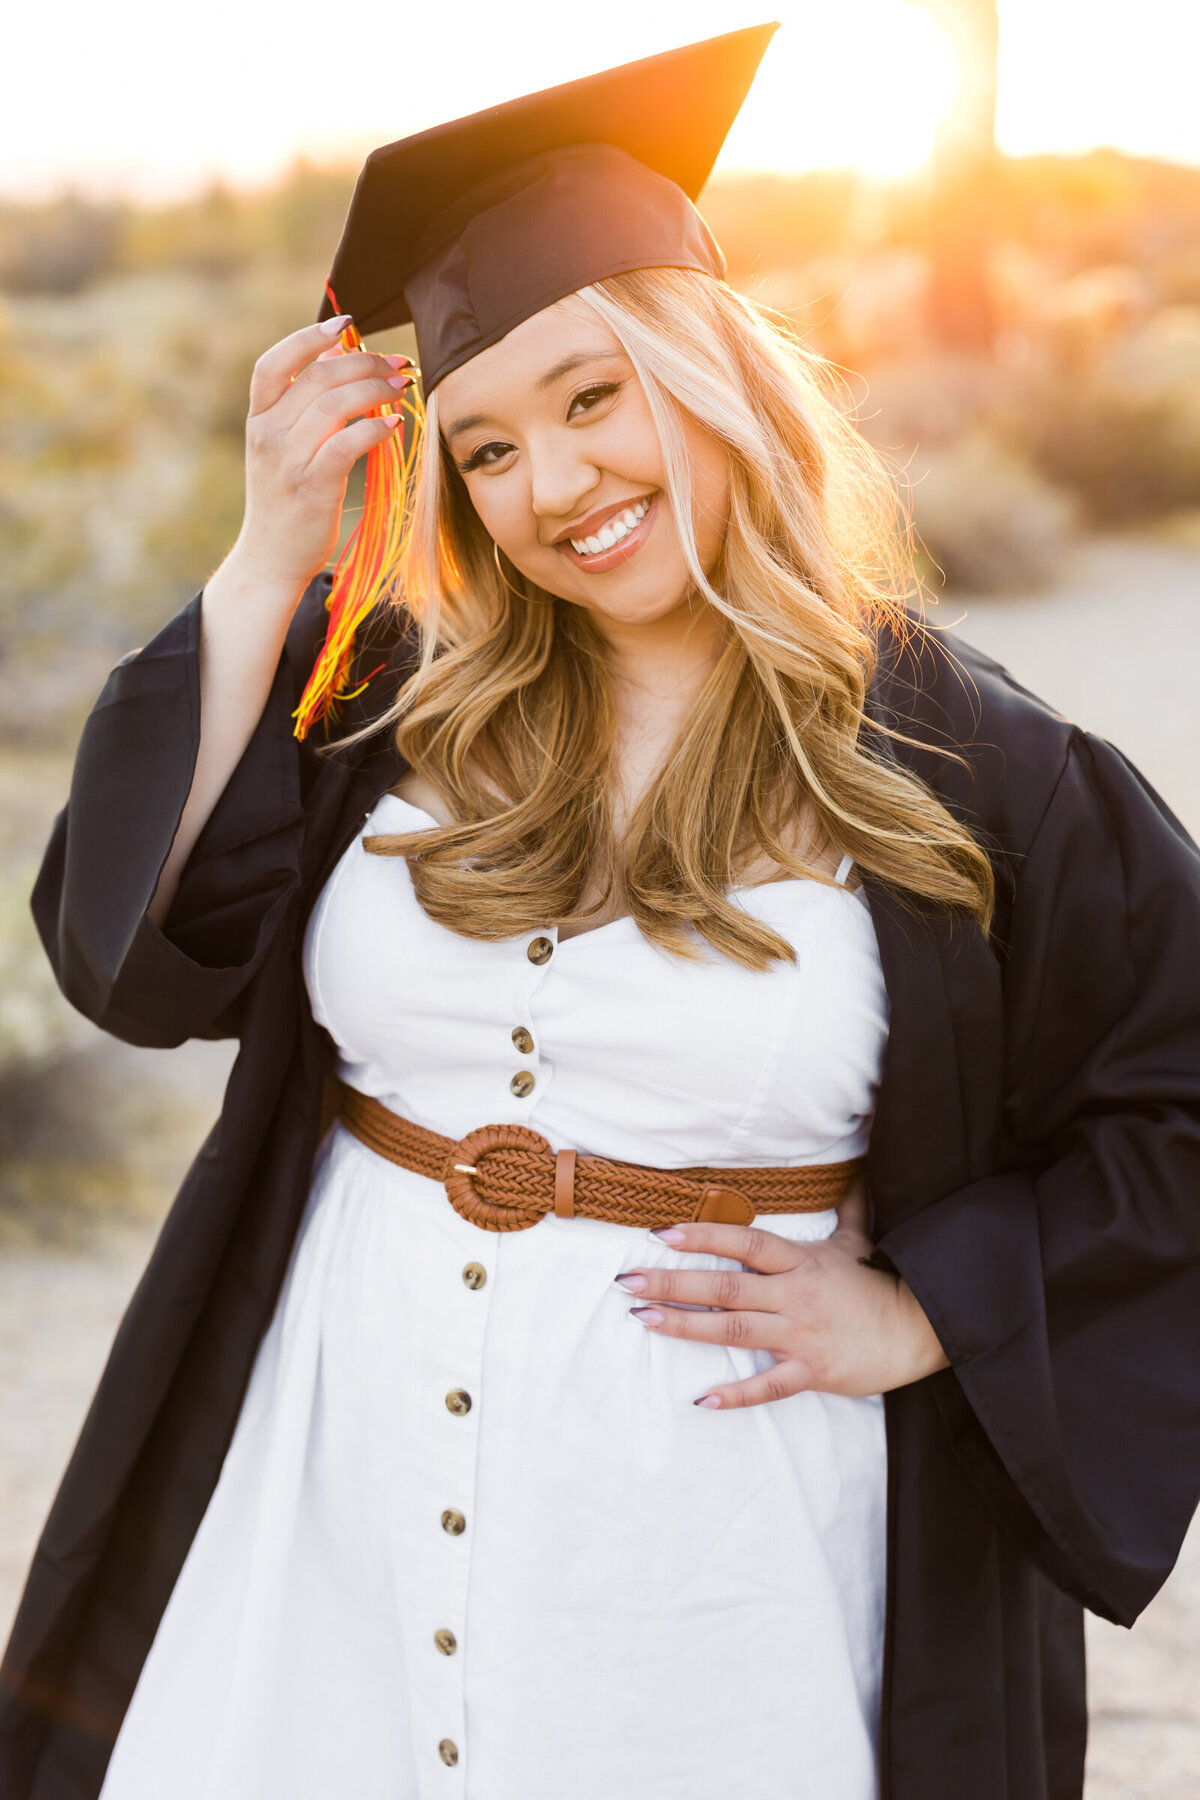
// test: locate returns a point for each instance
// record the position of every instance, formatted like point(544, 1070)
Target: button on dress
point(471, 1538)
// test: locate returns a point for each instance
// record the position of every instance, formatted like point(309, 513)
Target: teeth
point(611, 532)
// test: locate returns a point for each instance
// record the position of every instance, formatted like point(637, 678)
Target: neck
point(663, 662)
point(659, 668)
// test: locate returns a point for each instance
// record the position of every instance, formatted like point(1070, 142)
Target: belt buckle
point(462, 1165)
point(723, 1206)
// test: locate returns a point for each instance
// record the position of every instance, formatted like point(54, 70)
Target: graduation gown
point(1034, 1174)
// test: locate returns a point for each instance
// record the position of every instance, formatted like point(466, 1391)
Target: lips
point(610, 535)
point(604, 529)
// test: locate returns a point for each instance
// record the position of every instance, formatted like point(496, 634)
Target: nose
point(560, 479)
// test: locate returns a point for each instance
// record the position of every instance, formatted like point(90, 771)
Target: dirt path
point(1115, 647)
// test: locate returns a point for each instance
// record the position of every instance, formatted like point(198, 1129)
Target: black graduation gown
point(1034, 1173)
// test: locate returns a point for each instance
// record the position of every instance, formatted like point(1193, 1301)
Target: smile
point(621, 534)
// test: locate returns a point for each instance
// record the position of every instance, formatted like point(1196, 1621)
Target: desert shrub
point(986, 522)
point(1128, 456)
point(927, 401)
point(36, 1026)
point(42, 546)
point(180, 551)
point(92, 1140)
point(92, 1132)
point(57, 248)
point(101, 1136)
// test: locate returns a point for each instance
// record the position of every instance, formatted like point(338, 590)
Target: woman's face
point(554, 439)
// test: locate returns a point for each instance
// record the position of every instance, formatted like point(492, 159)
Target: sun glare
point(864, 86)
point(853, 84)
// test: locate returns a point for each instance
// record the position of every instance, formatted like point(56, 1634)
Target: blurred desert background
point(1019, 332)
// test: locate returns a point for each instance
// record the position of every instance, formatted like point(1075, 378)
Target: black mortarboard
point(471, 227)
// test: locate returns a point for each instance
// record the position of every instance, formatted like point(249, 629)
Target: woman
point(683, 848)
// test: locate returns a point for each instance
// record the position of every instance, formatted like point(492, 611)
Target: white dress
point(584, 1586)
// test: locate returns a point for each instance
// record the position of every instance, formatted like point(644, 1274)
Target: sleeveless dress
point(471, 1539)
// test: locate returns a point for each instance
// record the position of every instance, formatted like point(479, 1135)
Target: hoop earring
point(529, 600)
point(504, 578)
point(537, 598)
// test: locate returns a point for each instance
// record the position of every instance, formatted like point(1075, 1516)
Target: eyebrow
point(564, 367)
point(573, 362)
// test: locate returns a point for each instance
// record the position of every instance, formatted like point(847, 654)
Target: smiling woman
point(591, 542)
point(668, 912)
point(660, 395)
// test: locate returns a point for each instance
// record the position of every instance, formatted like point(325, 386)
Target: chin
point(632, 593)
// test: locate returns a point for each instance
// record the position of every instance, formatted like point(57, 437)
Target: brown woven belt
point(506, 1177)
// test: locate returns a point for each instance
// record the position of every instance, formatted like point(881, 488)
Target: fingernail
point(646, 1314)
point(400, 381)
point(670, 1234)
point(709, 1400)
point(391, 420)
point(331, 327)
point(635, 1283)
point(398, 362)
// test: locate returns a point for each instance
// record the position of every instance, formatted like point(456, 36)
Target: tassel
point(369, 559)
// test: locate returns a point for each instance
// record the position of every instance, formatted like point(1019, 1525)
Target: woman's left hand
point(830, 1322)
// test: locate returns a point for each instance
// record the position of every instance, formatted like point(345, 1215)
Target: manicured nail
point(646, 1314)
point(670, 1234)
point(635, 1283)
point(399, 362)
point(331, 327)
point(709, 1400)
point(400, 381)
point(391, 420)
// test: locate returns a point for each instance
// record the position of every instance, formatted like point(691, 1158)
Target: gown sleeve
point(1066, 1292)
point(132, 774)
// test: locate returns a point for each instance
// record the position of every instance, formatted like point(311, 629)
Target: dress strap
point(843, 869)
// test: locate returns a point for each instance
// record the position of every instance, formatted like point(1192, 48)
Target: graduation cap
point(469, 228)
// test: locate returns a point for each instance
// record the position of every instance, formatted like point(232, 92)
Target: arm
point(299, 452)
point(151, 983)
point(172, 866)
point(1066, 1291)
point(242, 627)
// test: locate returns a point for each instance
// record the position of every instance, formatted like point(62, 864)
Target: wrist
point(925, 1347)
point(252, 588)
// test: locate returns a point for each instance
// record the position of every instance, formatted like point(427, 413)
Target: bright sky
point(149, 99)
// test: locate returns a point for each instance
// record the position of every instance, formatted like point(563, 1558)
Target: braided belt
point(506, 1177)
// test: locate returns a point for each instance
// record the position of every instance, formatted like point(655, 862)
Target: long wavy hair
point(509, 714)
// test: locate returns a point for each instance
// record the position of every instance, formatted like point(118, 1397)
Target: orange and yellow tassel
point(369, 560)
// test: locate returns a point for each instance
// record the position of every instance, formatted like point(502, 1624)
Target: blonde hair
point(512, 694)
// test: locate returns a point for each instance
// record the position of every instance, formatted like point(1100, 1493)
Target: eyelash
point(476, 460)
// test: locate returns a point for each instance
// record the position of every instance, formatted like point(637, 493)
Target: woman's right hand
point(299, 452)
point(300, 449)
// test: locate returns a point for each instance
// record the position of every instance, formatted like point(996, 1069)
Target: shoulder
point(991, 749)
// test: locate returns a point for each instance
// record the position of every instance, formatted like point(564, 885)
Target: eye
point(589, 397)
point(485, 456)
